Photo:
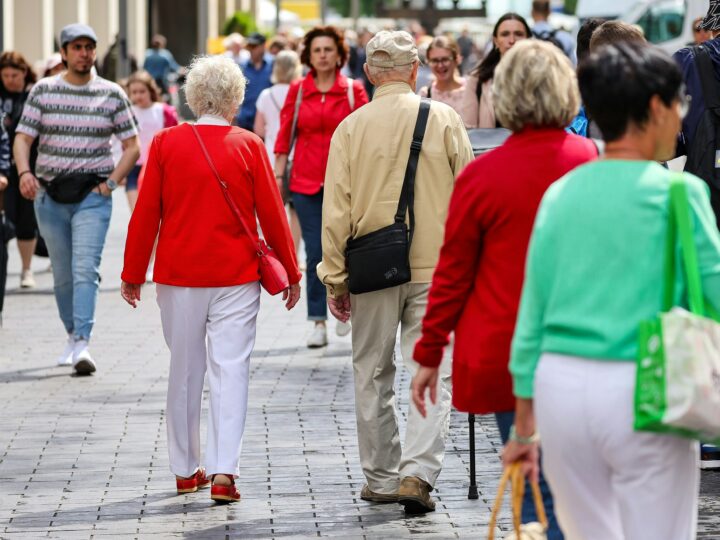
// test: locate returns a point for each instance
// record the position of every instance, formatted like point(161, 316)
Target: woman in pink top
point(443, 55)
point(476, 108)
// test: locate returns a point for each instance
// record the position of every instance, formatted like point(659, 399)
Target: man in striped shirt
point(75, 114)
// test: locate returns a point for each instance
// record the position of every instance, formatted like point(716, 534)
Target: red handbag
point(273, 276)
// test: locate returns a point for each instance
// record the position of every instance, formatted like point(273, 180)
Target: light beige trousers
point(375, 320)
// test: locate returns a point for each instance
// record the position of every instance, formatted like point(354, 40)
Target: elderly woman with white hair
point(206, 268)
point(476, 286)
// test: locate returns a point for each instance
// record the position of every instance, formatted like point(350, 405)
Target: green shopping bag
point(677, 387)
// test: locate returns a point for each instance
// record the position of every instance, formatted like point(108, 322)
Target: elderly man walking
point(369, 156)
point(74, 114)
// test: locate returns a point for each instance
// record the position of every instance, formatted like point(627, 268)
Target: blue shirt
point(693, 87)
point(565, 39)
point(257, 81)
point(158, 63)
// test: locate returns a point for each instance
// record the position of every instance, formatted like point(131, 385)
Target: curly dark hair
point(324, 31)
point(14, 59)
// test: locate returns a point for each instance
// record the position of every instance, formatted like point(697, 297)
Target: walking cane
point(473, 491)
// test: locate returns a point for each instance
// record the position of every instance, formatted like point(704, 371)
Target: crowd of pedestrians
point(512, 282)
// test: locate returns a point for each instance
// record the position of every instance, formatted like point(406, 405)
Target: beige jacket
point(474, 114)
point(368, 155)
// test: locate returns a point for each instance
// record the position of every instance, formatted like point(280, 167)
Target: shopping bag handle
point(514, 475)
point(680, 225)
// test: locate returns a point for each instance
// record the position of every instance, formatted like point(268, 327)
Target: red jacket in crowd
point(477, 283)
point(320, 113)
point(201, 243)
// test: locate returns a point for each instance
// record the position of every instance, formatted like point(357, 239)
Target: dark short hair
point(541, 7)
point(584, 34)
point(323, 31)
point(617, 82)
point(615, 32)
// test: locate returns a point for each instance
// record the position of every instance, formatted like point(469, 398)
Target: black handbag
point(71, 188)
point(381, 259)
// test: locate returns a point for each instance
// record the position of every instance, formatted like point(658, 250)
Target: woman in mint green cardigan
point(594, 271)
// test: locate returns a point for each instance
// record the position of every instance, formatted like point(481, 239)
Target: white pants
point(608, 481)
point(375, 317)
point(213, 329)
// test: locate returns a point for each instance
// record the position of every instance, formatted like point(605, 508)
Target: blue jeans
point(504, 421)
point(75, 237)
point(309, 211)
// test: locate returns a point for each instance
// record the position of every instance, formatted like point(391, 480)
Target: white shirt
point(269, 102)
point(150, 121)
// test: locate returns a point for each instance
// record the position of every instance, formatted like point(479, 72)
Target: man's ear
point(366, 69)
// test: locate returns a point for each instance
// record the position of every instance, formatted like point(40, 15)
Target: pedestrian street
point(86, 457)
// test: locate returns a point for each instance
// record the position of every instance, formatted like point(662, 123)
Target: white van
point(667, 23)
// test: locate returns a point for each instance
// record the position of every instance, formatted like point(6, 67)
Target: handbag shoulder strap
point(223, 186)
point(351, 94)
point(407, 193)
point(293, 128)
point(680, 225)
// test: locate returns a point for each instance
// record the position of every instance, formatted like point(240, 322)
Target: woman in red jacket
point(325, 98)
point(206, 269)
point(476, 286)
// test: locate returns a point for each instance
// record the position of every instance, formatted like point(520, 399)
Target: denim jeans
point(75, 237)
point(309, 211)
point(504, 421)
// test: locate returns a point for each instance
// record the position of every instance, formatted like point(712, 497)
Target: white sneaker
point(66, 358)
point(342, 329)
point(318, 338)
point(27, 281)
point(83, 363)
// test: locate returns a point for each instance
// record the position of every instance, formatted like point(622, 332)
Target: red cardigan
point(318, 117)
point(477, 283)
point(201, 243)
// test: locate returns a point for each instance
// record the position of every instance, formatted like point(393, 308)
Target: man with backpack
point(543, 30)
point(699, 139)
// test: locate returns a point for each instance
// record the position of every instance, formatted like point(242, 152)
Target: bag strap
point(293, 129)
point(407, 193)
point(514, 475)
point(680, 225)
point(351, 94)
point(708, 79)
point(233, 207)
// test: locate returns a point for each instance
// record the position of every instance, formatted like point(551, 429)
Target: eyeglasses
point(446, 60)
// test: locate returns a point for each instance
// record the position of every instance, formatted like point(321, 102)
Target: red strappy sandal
point(224, 494)
point(192, 484)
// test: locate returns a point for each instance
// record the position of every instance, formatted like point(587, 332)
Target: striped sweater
point(75, 125)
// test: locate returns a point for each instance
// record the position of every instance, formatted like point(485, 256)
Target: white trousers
point(375, 317)
point(209, 329)
point(608, 481)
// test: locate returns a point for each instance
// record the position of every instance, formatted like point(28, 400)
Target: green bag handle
point(680, 224)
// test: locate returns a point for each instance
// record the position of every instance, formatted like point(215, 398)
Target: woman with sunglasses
point(443, 56)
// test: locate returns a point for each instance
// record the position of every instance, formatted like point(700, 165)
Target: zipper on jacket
point(322, 100)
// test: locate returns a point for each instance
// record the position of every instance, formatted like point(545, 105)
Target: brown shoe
point(414, 495)
point(367, 495)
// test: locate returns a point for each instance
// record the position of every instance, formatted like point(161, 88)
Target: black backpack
point(703, 155)
point(549, 36)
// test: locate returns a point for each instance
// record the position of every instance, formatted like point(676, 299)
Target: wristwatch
point(111, 184)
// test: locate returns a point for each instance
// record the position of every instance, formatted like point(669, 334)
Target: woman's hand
point(290, 296)
point(3, 182)
point(130, 293)
point(527, 454)
point(426, 377)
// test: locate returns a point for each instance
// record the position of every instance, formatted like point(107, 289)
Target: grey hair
point(286, 67)
point(214, 85)
point(535, 84)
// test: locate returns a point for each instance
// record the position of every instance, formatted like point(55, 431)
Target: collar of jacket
point(339, 86)
point(391, 88)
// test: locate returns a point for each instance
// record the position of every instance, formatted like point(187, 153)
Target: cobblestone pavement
point(87, 457)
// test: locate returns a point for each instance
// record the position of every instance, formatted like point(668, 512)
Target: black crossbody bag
point(381, 259)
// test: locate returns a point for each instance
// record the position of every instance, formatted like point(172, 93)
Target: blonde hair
point(286, 67)
point(535, 84)
point(214, 85)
